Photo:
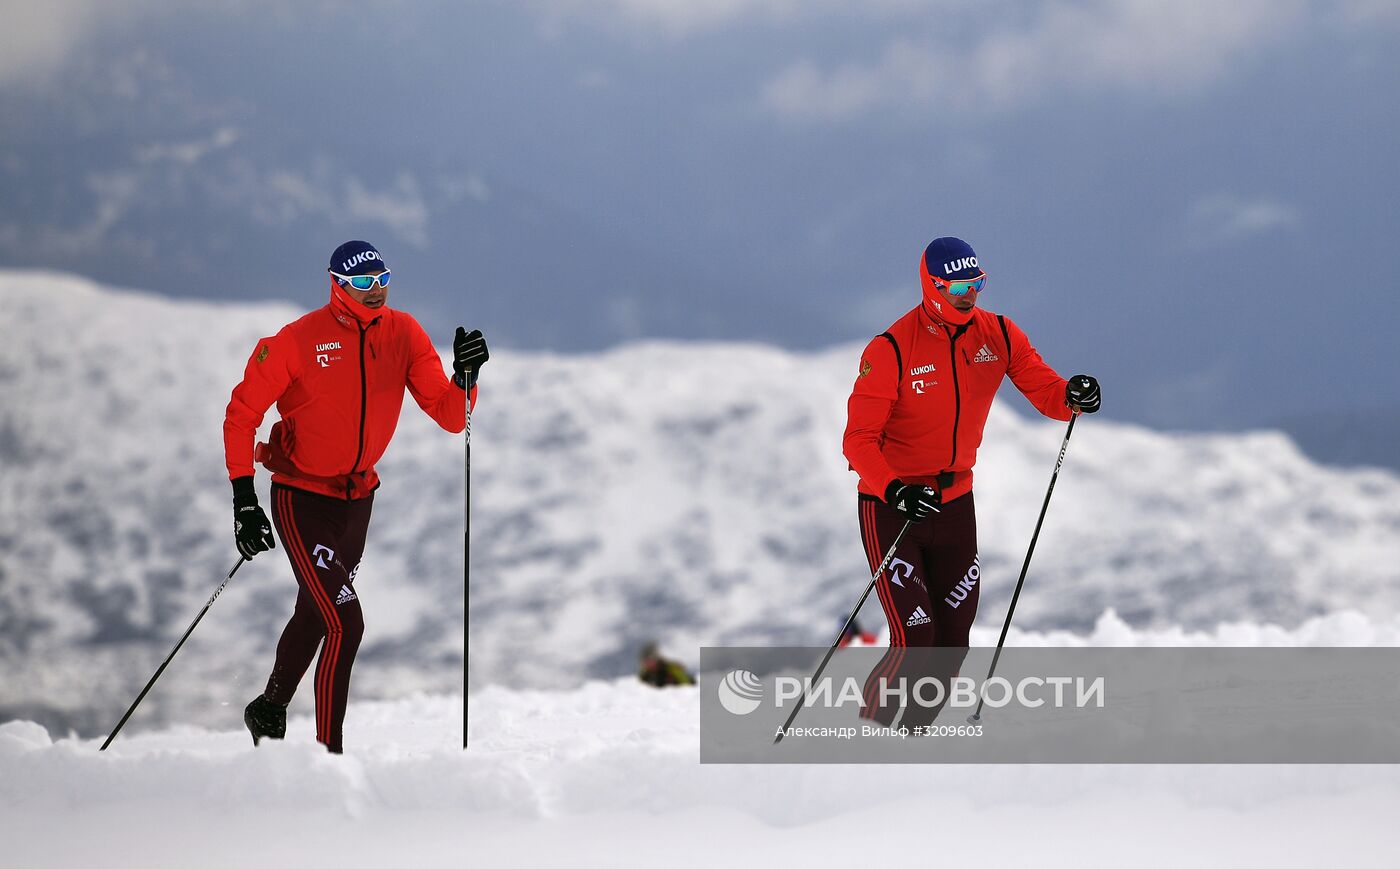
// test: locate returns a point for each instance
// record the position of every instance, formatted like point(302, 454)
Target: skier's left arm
point(442, 399)
point(1037, 381)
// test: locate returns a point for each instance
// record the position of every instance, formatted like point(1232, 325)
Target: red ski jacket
point(922, 396)
point(338, 376)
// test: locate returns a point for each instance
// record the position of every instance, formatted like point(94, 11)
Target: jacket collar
point(928, 318)
point(350, 312)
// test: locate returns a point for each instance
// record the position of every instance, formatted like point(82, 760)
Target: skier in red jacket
point(337, 376)
point(914, 422)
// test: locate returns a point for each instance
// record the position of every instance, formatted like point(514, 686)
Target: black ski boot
point(265, 719)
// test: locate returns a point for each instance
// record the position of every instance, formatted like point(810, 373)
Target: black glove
point(469, 353)
point(912, 502)
point(251, 530)
point(1082, 393)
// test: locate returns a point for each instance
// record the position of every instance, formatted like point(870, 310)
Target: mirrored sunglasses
point(362, 282)
point(961, 288)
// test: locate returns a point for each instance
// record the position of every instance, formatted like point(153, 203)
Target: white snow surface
point(691, 493)
point(607, 775)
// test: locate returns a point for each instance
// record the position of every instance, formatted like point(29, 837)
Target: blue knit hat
point(951, 259)
point(357, 258)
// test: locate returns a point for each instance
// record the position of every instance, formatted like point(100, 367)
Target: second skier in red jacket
point(914, 422)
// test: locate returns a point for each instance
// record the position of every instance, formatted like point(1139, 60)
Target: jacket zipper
point(360, 448)
point(957, 392)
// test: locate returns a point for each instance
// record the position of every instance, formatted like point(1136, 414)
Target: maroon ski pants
point(929, 595)
point(324, 538)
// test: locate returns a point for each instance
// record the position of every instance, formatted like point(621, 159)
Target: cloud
point(1225, 217)
point(905, 73)
point(678, 19)
point(673, 18)
point(688, 16)
point(283, 197)
point(400, 207)
point(36, 38)
point(187, 153)
point(280, 198)
point(455, 188)
point(114, 194)
point(39, 37)
point(1150, 45)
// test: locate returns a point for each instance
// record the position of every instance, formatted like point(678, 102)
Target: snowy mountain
point(692, 493)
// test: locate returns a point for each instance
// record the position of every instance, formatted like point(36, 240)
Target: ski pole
point(977, 715)
point(860, 603)
point(466, 559)
point(171, 656)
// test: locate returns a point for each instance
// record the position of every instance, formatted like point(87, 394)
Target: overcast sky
point(1193, 200)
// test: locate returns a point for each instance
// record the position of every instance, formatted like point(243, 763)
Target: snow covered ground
point(607, 774)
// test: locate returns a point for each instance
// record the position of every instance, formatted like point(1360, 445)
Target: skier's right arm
point(872, 399)
point(264, 379)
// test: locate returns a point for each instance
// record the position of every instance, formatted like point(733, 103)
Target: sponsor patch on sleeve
point(262, 352)
point(864, 367)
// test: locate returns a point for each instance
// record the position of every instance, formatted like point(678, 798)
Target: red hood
point(938, 304)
